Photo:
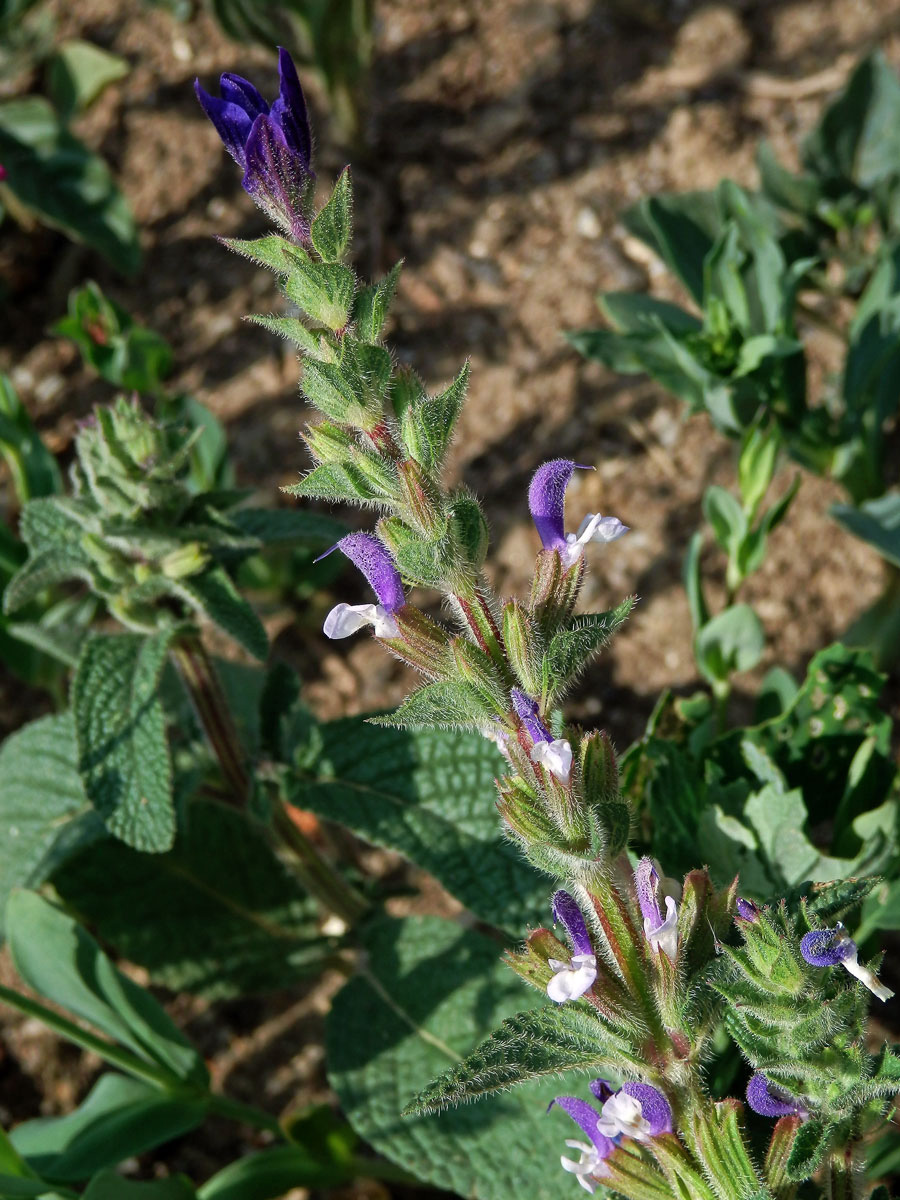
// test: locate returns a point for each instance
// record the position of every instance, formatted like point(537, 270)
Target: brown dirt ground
point(504, 139)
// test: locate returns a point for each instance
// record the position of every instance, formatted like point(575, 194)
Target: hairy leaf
point(431, 796)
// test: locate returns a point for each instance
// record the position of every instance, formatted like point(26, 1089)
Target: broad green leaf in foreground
point(430, 795)
point(219, 914)
point(109, 1185)
point(433, 992)
point(119, 1117)
point(65, 966)
point(123, 755)
point(43, 808)
point(876, 522)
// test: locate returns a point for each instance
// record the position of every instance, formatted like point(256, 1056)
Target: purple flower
point(661, 932)
point(371, 557)
point(590, 1165)
point(273, 144)
point(553, 753)
point(573, 978)
point(830, 947)
point(547, 501)
point(747, 910)
point(769, 1100)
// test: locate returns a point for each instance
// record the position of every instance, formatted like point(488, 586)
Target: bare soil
point(503, 140)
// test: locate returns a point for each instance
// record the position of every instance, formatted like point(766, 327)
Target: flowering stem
point(202, 683)
point(318, 876)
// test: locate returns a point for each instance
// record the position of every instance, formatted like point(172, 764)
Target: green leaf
point(291, 328)
point(431, 796)
point(120, 1117)
point(693, 582)
point(370, 308)
point(272, 251)
point(635, 312)
point(277, 525)
point(109, 1185)
point(275, 1173)
point(123, 754)
point(430, 991)
point(214, 595)
point(731, 642)
point(427, 425)
point(324, 291)
point(726, 517)
point(43, 569)
point(572, 648)
point(330, 481)
point(681, 229)
point(220, 914)
point(876, 522)
point(810, 1143)
point(44, 812)
point(32, 467)
point(542, 1041)
point(78, 72)
point(64, 965)
point(55, 176)
point(448, 704)
point(330, 230)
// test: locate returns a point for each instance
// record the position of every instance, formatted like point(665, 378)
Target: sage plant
point(650, 968)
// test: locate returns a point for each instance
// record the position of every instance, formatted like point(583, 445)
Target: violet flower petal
point(290, 108)
point(547, 501)
point(586, 1117)
point(769, 1100)
point(237, 90)
point(527, 711)
point(827, 947)
point(369, 556)
point(646, 882)
point(231, 120)
point(654, 1106)
point(747, 910)
point(565, 910)
point(601, 1088)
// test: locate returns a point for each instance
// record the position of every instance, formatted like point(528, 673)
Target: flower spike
point(661, 932)
point(830, 947)
point(553, 753)
point(572, 979)
point(547, 501)
point(273, 144)
point(371, 557)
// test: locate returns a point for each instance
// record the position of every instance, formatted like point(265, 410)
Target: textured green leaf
point(220, 914)
point(448, 704)
point(118, 1118)
point(274, 525)
point(370, 308)
point(324, 291)
point(427, 425)
point(290, 328)
point(63, 183)
point(53, 521)
point(330, 230)
point(214, 595)
point(431, 991)
point(810, 1144)
point(541, 1041)
point(272, 251)
point(330, 481)
point(44, 811)
point(431, 796)
point(64, 965)
point(571, 649)
point(123, 754)
point(32, 466)
point(43, 570)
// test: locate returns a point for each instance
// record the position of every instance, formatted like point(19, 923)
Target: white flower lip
point(866, 977)
point(664, 937)
point(590, 1163)
point(345, 619)
point(594, 528)
point(623, 1114)
point(572, 979)
point(556, 756)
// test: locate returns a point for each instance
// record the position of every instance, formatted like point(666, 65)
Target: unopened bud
point(520, 639)
point(423, 643)
point(523, 811)
point(555, 589)
point(422, 501)
point(470, 527)
point(187, 560)
point(328, 442)
point(477, 668)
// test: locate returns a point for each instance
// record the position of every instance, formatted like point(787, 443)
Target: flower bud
point(187, 560)
point(423, 504)
point(555, 589)
point(425, 644)
point(328, 442)
point(470, 527)
point(520, 639)
point(477, 668)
